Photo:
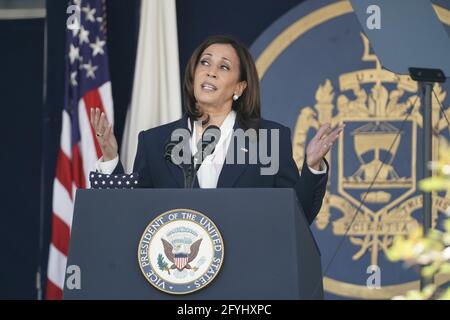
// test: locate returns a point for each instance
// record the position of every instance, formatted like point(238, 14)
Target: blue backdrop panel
point(316, 67)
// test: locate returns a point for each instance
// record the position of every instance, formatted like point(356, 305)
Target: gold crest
point(378, 112)
point(373, 102)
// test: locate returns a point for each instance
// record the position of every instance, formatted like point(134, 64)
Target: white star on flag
point(97, 47)
point(84, 35)
point(73, 79)
point(90, 13)
point(74, 53)
point(90, 69)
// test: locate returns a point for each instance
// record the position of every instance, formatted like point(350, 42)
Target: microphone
point(205, 147)
point(186, 168)
point(207, 144)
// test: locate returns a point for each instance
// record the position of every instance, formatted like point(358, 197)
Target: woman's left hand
point(319, 146)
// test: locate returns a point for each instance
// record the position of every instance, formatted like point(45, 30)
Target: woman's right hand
point(104, 133)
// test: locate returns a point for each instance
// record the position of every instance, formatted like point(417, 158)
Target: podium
point(269, 250)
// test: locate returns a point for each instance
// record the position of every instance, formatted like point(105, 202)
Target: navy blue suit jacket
point(156, 172)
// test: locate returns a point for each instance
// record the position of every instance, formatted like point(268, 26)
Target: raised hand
point(105, 135)
point(322, 142)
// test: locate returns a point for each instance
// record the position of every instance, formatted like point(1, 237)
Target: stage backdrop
point(318, 60)
point(316, 66)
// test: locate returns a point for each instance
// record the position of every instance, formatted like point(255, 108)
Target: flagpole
point(43, 158)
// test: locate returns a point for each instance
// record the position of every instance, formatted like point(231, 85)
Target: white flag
point(156, 96)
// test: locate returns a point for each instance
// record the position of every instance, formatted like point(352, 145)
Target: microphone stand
point(195, 167)
point(214, 132)
point(190, 170)
point(426, 78)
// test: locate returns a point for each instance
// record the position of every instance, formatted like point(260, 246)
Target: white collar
point(225, 130)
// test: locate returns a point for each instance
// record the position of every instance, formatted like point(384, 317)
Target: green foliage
point(431, 252)
point(162, 264)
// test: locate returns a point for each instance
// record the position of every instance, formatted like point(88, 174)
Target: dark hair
point(248, 106)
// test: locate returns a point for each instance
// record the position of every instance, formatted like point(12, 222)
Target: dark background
point(30, 125)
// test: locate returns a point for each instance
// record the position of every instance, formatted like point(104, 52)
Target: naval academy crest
point(316, 66)
point(181, 251)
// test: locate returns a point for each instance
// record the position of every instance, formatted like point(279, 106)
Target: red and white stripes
point(75, 161)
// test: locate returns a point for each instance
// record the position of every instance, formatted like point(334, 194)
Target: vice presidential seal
point(181, 251)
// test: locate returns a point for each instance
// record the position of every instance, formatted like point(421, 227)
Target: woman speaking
point(221, 88)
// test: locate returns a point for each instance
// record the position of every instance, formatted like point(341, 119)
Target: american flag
point(87, 85)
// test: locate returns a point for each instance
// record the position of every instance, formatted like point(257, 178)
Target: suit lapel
point(232, 171)
point(176, 171)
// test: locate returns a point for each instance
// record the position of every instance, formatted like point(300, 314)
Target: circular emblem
point(181, 251)
point(372, 193)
